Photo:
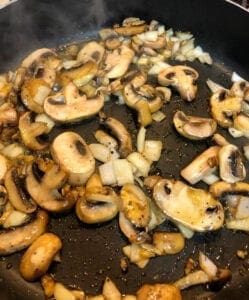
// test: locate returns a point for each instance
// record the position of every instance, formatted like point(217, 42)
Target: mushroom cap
point(69, 106)
point(74, 156)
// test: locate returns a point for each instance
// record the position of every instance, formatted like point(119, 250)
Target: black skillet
point(90, 253)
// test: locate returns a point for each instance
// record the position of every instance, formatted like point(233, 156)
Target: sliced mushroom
point(35, 56)
point(30, 131)
point(185, 205)
point(222, 188)
point(182, 78)
point(17, 193)
point(192, 127)
point(4, 165)
point(98, 204)
point(33, 93)
point(224, 107)
point(47, 74)
point(240, 89)
point(72, 153)
point(139, 254)
point(43, 188)
point(159, 291)
point(231, 164)
point(241, 123)
point(131, 26)
point(135, 205)
point(118, 61)
point(91, 51)
point(5, 87)
point(12, 241)
point(38, 257)
point(79, 75)
point(134, 235)
point(120, 132)
point(69, 106)
point(203, 165)
point(168, 242)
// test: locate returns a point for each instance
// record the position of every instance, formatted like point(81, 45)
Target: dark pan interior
point(90, 253)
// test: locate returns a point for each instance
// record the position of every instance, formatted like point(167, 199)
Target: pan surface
point(90, 253)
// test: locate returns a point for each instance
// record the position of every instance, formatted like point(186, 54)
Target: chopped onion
point(207, 265)
point(186, 232)
point(158, 116)
point(140, 139)
point(143, 60)
point(238, 224)
point(158, 67)
point(42, 93)
point(236, 77)
point(107, 173)
point(12, 150)
point(100, 152)
point(161, 29)
point(110, 291)
point(194, 278)
point(210, 178)
point(149, 36)
point(141, 163)
point(213, 86)
point(187, 46)
point(235, 133)
point(45, 119)
point(183, 36)
point(123, 171)
point(62, 293)
point(242, 210)
point(152, 150)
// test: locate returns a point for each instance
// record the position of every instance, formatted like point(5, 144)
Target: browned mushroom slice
point(222, 188)
point(182, 78)
point(120, 132)
point(185, 205)
point(15, 240)
point(159, 291)
point(72, 153)
point(231, 164)
point(224, 107)
point(91, 51)
point(5, 87)
point(118, 61)
point(192, 127)
point(43, 188)
point(70, 106)
point(33, 93)
point(131, 26)
point(47, 74)
point(135, 205)
point(98, 204)
point(30, 131)
point(18, 196)
point(80, 75)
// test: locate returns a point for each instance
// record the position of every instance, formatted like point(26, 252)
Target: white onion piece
point(45, 119)
point(143, 60)
point(213, 86)
point(236, 77)
point(210, 178)
point(141, 139)
point(158, 116)
point(158, 67)
point(148, 36)
point(110, 291)
point(152, 150)
point(100, 152)
point(197, 277)
point(235, 133)
point(207, 265)
point(183, 36)
point(246, 151)
point(161, 29)
point(186, 232)
point(107, 173)
point(69, 64)
point(242, 210)
point(141, 163)
point(238, 224)
point(3, 166)
point(123, 171)
point(15, 218)
point(62, 293)
point(42, 93)
point(12, 150)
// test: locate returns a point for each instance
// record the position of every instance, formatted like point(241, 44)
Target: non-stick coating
point(90, 253)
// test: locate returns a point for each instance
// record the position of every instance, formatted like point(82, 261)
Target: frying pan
point(90, 253)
